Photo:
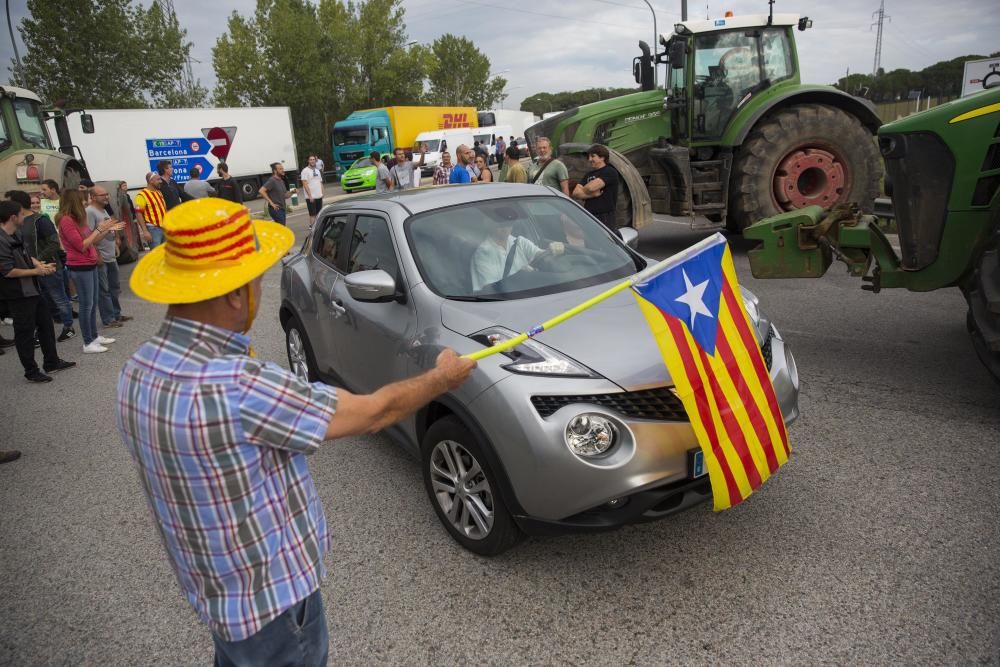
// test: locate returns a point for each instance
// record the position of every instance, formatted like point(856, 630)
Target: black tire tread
point(750, 186)
point(984, 309)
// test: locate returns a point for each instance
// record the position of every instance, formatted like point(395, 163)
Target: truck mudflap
point(803, 244)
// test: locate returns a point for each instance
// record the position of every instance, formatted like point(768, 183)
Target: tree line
point(321, 59)
point(942, 79)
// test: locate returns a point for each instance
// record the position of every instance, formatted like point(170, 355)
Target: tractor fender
point(639, 205)
point(862, 109)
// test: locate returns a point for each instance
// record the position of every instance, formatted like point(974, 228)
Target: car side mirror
point(678, 54)
point(630, 237)
point(373, 285)
point(87, 123)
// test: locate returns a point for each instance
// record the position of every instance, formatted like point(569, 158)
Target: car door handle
point(337, 308)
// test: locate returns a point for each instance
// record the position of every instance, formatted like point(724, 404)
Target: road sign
point(221, 139)
point(183, 165)
point(171, 148)
point(980, 74)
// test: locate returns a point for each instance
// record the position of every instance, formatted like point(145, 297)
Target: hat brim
point(153, 279)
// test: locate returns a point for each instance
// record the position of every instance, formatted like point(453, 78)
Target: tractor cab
point(715, 68)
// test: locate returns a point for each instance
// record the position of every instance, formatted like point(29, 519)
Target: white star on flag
point(694, 298)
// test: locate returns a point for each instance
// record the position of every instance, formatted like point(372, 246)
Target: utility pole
point(880, 13)
point(684, 10)
point(187, 76)
point(656, 38)
point(13, 42)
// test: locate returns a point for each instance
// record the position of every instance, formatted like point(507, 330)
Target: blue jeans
point(54, 291)
point(297, 637)
point(107, 304)
point(88, 289)
point(277, 214)
point(156, 233)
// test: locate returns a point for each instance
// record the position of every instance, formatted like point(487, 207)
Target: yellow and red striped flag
point(696, 313)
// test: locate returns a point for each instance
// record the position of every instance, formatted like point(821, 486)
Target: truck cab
point(358, 135)
point(27, 154)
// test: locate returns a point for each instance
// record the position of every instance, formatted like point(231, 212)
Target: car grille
point(660, 404)
point(352, 182)
point(766, 347)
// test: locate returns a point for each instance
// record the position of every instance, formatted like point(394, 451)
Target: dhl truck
point(388, 128)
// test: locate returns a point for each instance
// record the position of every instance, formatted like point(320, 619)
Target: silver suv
point(576, 429)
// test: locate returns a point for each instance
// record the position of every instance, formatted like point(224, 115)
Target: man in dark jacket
point(228, 187)
point(42, 241)
point(173, 194)
point(20, 289)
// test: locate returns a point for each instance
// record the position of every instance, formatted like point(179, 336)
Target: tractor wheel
point(984, 309)
point(805, 155)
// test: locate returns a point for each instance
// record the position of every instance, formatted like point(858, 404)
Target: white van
point(438, 141)
point(488, 136)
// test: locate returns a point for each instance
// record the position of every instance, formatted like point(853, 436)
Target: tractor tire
point(983, 320)
point(804, 155)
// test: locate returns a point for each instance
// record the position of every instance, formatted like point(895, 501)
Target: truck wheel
point(249, 188)
point(983, 320)
point(805, 155)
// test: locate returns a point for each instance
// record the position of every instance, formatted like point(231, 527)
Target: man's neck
point(9, 227)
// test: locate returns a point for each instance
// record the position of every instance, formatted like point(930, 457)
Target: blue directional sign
point(183, 165)
point(170, 148)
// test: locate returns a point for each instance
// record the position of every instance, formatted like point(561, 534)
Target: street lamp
point(656, 36)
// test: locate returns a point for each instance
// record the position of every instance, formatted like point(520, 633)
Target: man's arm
point(267, 197)
point(370, 413)
point(589, 191)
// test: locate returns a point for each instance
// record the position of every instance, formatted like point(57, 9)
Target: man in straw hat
point(219, 437)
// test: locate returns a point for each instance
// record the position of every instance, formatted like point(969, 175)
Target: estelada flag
point(695, 310)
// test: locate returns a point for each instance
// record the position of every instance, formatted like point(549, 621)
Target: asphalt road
point(877, 543)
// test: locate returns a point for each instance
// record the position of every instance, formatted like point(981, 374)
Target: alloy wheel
point(462, 490)
point(297, 355)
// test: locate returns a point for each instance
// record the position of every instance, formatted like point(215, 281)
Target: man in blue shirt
point(460, 174)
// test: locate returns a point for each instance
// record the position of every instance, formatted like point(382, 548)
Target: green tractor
point(27, 156)
point(736, 138)
point(943, 174)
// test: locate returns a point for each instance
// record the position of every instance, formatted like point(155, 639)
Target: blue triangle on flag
point(691, 292)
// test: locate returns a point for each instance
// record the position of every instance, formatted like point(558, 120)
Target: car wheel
point(300, 358)
point(463, 489)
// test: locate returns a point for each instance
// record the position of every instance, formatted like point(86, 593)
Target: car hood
point(611, 338)
point(362, 171)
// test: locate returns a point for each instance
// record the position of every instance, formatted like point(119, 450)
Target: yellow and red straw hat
point(211, 247)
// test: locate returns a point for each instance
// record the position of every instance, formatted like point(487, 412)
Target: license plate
point(696, 463)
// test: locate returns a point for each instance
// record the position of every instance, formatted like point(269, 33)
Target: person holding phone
point(107, 266)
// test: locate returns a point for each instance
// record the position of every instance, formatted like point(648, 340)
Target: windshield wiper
point(456, 297)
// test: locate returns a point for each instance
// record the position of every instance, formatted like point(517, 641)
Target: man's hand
point(46, 269)
point(557, 248)
point(454, 369)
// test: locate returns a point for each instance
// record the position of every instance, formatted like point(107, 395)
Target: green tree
point(461, 75)
point(541, 103)
point(108, 54)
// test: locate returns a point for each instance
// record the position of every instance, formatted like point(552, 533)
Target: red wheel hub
point(808, 176)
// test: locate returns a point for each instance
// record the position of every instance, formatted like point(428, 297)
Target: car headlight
point(532, 357)
point(752, 304)
point(590, 434)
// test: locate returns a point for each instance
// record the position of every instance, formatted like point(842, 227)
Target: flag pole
point(640, 277)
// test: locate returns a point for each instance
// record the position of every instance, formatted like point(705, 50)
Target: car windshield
point(515, 248)
point(362, 163)
point(29, 119)
point(350, 136)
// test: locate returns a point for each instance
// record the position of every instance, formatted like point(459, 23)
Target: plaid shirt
point(219, 439)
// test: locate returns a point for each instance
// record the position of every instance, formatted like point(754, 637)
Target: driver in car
point(501, 254)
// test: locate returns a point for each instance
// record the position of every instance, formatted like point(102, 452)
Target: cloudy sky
point(555, 45)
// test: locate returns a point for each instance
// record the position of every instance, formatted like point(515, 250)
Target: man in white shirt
point(501, 255)
point(312, 185)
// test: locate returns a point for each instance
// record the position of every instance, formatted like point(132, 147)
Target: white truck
point(127, 144)
point(518, 121)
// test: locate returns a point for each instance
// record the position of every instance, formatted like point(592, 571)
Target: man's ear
point(234, 299)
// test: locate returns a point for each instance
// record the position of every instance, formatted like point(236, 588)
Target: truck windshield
point(432, 144)
point(31, 123)
point(350, 136)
